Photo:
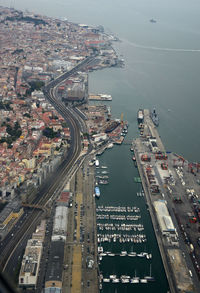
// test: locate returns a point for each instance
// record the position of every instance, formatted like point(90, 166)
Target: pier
point(158, 178)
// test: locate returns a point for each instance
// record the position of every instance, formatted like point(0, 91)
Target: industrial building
point(30, 264)
point(60, 223)
point(164, 219)
point(31, 260)
point(53, 279)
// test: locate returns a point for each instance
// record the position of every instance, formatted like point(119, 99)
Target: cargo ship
point(100, 97)
point(154, 117)
point(140, 116)
point(97, 191)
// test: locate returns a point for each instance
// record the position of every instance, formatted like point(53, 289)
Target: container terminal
point(171, 186)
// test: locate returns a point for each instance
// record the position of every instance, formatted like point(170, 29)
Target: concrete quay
point(175, 252)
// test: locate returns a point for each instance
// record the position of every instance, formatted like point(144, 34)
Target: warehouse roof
point(163, 216)
point(55, 264)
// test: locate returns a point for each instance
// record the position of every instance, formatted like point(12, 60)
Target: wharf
point(171, 247)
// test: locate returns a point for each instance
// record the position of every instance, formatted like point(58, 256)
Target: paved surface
point(77, 255)
point(81, 241)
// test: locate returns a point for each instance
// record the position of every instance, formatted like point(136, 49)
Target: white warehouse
point(164, 219)
point(60, 223)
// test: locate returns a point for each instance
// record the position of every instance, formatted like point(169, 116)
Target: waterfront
point(152, 77)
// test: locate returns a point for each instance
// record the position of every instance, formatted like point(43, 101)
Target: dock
point(159, 181)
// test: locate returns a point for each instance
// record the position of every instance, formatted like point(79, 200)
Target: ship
point(103, 181)
point(152, 20)
point(154, 117)
point(97, 191)
point(140, 116)
point(112, 125)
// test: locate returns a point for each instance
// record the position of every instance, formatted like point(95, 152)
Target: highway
point(12, 244)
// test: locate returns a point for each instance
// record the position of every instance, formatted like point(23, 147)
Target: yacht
point(113, 276)
point(134, 280)
point(149, 278)
point(143, 280)
point(111, 254)
point(106, 280)
point(123, 253)
point(132, 254)
point(115, 280)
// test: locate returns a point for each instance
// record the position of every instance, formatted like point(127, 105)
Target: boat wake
point(161, 49)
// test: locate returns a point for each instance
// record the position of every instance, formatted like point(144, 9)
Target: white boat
point(125, 277)
point(112, 276)
point(106, 280)
point(100, 248)
point(125, 280)
point(143, 281)
point(111, 254)
point(142, 254)
point(116, 280)
point(134, 280)
point(102, 254)
point(97, 163)
point(123, 253)
point(149, 278)
point(132, 254)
